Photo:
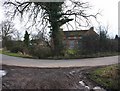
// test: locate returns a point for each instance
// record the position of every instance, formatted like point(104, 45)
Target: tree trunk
point(57, 40)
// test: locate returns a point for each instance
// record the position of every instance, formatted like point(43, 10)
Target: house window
point(71, 44)
point(80, 37)
point(79, 43)
point(75, 37)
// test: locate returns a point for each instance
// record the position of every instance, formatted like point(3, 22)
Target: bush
point(40, 51)
point(71, 53)
point(16, 49)
point(7, 44)
point(94, 44)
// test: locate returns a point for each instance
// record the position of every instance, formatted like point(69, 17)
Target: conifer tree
point(26, 39)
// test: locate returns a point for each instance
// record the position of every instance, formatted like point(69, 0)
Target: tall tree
point(54, 14)
point(26, 39)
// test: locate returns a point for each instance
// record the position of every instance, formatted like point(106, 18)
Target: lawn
point(106, 76)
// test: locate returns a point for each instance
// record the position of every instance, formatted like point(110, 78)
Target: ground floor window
point(71, 44)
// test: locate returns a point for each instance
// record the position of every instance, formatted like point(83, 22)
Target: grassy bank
point(14, 54)
point(107, 76)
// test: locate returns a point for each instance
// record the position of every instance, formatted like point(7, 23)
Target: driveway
point(25, 62)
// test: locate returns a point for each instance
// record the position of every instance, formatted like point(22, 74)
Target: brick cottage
point(72, 38)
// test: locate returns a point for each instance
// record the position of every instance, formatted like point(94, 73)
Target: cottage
point(72, 38)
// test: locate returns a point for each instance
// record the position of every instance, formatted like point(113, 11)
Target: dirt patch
point(46, 78)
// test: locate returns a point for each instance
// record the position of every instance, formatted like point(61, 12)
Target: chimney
point(92, 28)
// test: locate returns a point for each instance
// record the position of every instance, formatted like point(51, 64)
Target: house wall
point(72, 42)
point(73, 39)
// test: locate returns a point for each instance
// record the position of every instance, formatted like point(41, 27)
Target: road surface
point(25, 62)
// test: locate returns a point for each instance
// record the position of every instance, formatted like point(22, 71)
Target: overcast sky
point(108, 9)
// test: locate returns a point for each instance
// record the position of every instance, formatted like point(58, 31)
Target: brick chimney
point(92, 28)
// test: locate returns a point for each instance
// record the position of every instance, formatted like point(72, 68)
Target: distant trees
point(40, 37)
point(97, 44)
point(8, 30)
point(106, 44)
point(103, 39)
point(21, 46)
point(89, 44)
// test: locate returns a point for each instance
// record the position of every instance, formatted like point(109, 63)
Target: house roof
point(80, 32)
point(75, 32)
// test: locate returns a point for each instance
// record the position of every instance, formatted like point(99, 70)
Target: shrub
point(71, 53)
point(40, 51)
point(7, 44)
point(16, 49)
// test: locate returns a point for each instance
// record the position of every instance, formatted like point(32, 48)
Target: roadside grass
point(107, 77)
point(69, 55)
point(14, 54)
point(103, 54)
point(0, 51)
point(91, 55)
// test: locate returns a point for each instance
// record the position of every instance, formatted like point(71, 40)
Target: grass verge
point(107, 76)
point(72, 55)
point(14, 54)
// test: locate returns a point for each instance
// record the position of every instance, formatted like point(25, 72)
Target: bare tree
point(53, 15)
point(17, 35)
point(7, 29)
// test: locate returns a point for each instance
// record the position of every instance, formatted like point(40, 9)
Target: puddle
point(2, 73)
point(82, 83)
point(96, 88)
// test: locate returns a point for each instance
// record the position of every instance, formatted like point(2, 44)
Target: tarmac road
point(25, 62)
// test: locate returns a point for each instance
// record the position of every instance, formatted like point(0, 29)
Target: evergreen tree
point(26, 39)
point(116, 37)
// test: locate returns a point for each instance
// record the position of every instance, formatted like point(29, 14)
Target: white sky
point(109, 12)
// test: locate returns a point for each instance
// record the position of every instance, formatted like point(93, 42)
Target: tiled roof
point(80, 32)
point(75, 32)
